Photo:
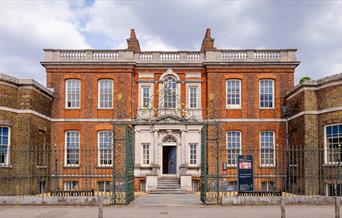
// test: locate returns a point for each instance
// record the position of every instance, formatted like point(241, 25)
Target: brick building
point(167, 97)
point(315, 125)
point(25, 111)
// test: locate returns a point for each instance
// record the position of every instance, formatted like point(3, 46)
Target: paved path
point(168, 212)
point(157, 200)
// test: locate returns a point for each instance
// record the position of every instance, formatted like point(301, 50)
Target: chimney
point(133, 42)
point(208, 42)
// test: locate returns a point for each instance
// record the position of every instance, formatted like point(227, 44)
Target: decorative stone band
point(28, 111)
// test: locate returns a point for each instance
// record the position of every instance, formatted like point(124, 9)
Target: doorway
point(169, 160)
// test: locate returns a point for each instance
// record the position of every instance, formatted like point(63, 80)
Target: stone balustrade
point(211, 56)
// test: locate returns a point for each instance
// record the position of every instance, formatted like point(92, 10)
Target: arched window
point(169, 139)
point(170, 86)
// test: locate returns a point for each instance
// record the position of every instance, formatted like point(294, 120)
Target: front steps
point(168, 185)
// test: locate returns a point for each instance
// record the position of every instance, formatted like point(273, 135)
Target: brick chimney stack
point(208, 42)
point(133, 42)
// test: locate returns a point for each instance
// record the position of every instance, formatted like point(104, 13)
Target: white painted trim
point(98, 149)
point(7, 161)
point(240, 149)
point(325, 144)
point(65, 149)
point(233, 106)
point(98, 95)
point(142, 154)
point(274, 148)
point(189, 150)
point(273, 94)
point(66, 94)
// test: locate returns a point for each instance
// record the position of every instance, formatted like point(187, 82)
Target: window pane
point(72, 147)
point(267, 148)
point(266, 93)
point(106, 93)
point(193, 154)
point(193, 97)
point(73, 87)
point(233, 92)
point(233, 147)
point(170, 92)
point(334, 143)
point(105, 147)
point(146, 154)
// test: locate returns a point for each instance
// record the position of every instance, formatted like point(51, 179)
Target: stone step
point(168, 191)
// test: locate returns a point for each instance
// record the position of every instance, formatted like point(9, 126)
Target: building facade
point(315, 126)
point(25, 111)
point(168, 97)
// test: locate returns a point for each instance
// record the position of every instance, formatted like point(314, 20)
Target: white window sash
point(145, 160)
point(260, 151)
point(66, 150)
point(233, 106)
point(7, 158)
point(194, 154)
point(99, 150)
point(73, 93)
point(326, 148)
point(233, 149)
point(273, 94)
point(100, 100)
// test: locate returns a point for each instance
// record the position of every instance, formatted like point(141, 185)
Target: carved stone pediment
point(169, 118)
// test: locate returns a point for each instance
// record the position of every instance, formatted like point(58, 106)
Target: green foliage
point(304, 79)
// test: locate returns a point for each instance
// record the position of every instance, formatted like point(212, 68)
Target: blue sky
point(314, 27)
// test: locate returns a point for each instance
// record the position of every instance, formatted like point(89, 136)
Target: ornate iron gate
point(123, 171)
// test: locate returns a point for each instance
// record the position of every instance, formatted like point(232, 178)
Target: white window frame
point(274, 150)
point(326, 144)
point(143, 97)
point(268, 186)
point(196, 97)
point(240, 148)
point(99, 94)
point(233, 106)
point(196, 155)
point(66, 149)
point(175, 94)
point(273, 94)
point(66, 94)
point(7, 160)
point(143, 155)
point(99, 149)
point(67, 185)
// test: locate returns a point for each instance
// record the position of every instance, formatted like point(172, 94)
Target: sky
point(314, 27)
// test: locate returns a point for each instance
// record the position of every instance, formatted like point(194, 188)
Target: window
point(70, 186)
point(4, 145)
point(170, 92)
point(333, 143)
point(193, 97)
point(146, 96)
point(267, 186)
point(146, 154)
point(72, 147)
point(105, 93)
point(233, 147)
point(105, 146)
point(73, 92)
point(266, 93)
point(267, 148)
point(193, 154)
point(331, 189)
point(233, 93)
point(104, 186)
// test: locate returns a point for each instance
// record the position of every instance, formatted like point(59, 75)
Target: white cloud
point(28, 27)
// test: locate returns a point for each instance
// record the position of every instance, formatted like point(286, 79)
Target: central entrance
point(169, 159)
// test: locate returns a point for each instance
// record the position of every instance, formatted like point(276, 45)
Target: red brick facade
point(211, 73)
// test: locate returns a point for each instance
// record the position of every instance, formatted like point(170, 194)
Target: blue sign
point(245, 173)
